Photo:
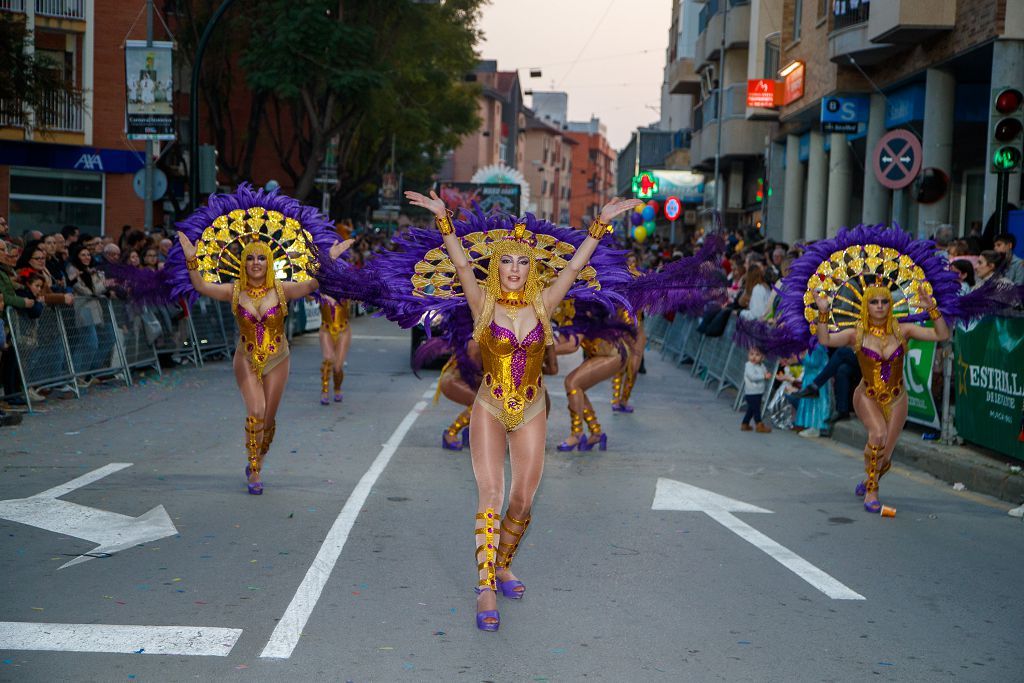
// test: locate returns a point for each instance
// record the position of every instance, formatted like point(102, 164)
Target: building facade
point(547, 165)
point(592, 171)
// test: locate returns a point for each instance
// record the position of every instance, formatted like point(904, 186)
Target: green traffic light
point(1006, 158)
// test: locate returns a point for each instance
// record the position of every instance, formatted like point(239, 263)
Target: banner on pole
point(149, 87)
point(989, 375)
point(917, 376)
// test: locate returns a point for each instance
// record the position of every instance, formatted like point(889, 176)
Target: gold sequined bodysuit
point(334, 318)
point(512, 380)
point(882, 377)
point(262, 338)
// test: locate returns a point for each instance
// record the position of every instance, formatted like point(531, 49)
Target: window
point(822, 8)
point(771, 56)
point(798, 15)
point(543, 188)
point(47, 200)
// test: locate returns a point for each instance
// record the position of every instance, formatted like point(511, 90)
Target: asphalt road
point(357, 563)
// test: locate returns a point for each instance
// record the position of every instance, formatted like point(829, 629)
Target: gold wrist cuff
point(823, 317)
point(192, 263)
point(444, 224)
point(598, 229)
point(934, 313)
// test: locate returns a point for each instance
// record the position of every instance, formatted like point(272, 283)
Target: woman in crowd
point(151, 259)
point(242, 271)
point(510, 310)
point(33, 262)
point(93, 340)
point(756, 294)
point(965, 271)
point(986, 267)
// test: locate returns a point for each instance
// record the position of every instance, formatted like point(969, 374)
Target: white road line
point(84, 480)
point(286, 634)
point(784, 556)
point(147, 640)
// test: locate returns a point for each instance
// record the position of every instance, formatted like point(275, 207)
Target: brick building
point(593, 171)
point(547, 165)
point(80, 171)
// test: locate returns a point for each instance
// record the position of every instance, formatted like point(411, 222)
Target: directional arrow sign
point(112, 531)
point(675, 495)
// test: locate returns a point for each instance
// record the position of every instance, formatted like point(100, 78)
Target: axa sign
point(89, 162)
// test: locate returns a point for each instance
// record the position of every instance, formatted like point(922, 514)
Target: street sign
point(159, 184)
point(897, 159)
point(843, 114)
point(645, 185)
point(675, 495)
point(112, 531)
point(761, 92)
point(673, 207)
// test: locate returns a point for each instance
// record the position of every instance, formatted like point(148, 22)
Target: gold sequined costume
point(261, 337)
point(334, 318)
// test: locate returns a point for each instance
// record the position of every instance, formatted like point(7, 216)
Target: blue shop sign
point(843, 114)
point(70, 157)
point(904, 105)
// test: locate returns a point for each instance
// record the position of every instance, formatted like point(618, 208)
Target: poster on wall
point(149, 90)
point(501, 197)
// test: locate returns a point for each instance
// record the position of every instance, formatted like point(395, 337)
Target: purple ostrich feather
point(684, 285)
point(771, 339)
point(394, 268)
point(454, 335)
point(945, 284)
point(143, 286)
point(315, 223)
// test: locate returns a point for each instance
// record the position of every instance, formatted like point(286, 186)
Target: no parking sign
point(673, 207)
point(897, 159)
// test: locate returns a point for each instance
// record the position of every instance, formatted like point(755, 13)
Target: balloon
point(635, 218)
point(654, 205)
point(638, 208)
point(648, 214)
point(641, 234)
point(650, 226)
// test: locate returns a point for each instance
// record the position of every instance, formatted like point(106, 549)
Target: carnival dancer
point(335, 338)
point(253, 249)
point(622, 383)
point(526, 277)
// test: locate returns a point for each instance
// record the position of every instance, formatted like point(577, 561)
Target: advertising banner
point(989, 375)
point(149, 85)
point(917, 377)
point(503, 197)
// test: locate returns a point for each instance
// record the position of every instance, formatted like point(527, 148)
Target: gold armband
point(192, 263)
point(598, 229)
point(934, 313)
point(823, 317)
point(444, 224)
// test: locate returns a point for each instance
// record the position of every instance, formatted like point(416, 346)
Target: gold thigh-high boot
point(339, 377)
point(253, 443)
point(450, 439)
point(268, 438)
point(487, 522)
point(325, 379)
point(617, 389)
point(871, 453)
point(595, 430)
point(628, 380)
point(575, 427)
point(513, 589)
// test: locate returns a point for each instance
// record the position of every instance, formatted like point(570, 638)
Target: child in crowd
point(755, 377)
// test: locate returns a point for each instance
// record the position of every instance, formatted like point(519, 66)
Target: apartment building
point(80, 170)
point(547, 165)
point(592, 170)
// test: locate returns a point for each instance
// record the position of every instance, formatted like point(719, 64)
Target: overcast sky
point(608, 55)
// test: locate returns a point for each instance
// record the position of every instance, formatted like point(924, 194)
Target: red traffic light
point(1007, 129)
point(1008, 101)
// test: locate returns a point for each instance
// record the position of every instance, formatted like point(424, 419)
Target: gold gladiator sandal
point(450, 439)
point(595, 430)
point(268, 438)
point(488, 620)
point(575, 429)
point(514, 588)
point(253, 443)
point(871, 469)
point(325, 379)
point(616, 390)
point(339, 377)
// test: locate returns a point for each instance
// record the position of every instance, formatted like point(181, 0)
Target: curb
point(949, 463)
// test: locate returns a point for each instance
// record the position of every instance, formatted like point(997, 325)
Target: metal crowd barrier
point(91, 334)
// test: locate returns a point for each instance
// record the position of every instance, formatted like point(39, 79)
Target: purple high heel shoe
point(325, 400)
point(513, 589)
point(481, 617)
point(860, 490)
point(601, 443)
point(338, 397)
point(254, 489)
point(874, 506)
point(566, 446)
point(621, 408)
point(457, 446)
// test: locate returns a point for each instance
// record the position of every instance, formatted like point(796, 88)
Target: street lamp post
point(193, 146)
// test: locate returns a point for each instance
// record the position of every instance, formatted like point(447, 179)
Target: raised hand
point(821, 300)
point(617, 206)
point(340, 248)
point(433, 203)
point(187, 247)
point(925, 300)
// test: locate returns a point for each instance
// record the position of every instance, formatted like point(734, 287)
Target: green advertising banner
point(917, 376)
point(989, 375)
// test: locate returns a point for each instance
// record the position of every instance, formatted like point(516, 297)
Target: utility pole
point(720, 106)
point(148, 191)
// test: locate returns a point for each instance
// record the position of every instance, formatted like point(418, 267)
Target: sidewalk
point(976, 471)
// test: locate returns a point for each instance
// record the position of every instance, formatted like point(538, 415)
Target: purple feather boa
point(393, 269)
point(771, 339)
point(454, 336)
point(688, 284)
point(945, 284)
point(316, 224)
point(143, 286)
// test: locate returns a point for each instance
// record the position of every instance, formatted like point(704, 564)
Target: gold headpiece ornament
point(851, 276)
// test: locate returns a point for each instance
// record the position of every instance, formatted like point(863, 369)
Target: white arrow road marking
point(110, 530)
point(148, 640)
point(675, 495)
point(286, 634)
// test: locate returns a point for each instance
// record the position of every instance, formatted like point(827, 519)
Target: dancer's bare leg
point(488, 442)
point(871, 416)
point(526, 453)
point(587, 374)
point(253, 397)
point(273, 389)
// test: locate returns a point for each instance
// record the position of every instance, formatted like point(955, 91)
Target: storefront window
point(47, 200)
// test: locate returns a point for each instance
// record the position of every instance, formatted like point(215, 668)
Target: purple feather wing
point(143, 286)
point(688, 284)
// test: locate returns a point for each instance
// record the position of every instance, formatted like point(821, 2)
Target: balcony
point(62, 114)
point(849, 35)
point(12, 5)
point(910, 21)
point(682, 78)
point(740, 137)
point(55, 9)
point(712, 18)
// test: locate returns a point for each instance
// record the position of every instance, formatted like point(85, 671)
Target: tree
point(29, 82)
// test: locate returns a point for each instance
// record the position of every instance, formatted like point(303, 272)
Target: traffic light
point(759, 196)
point(645, 185)
point(1007, 130)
